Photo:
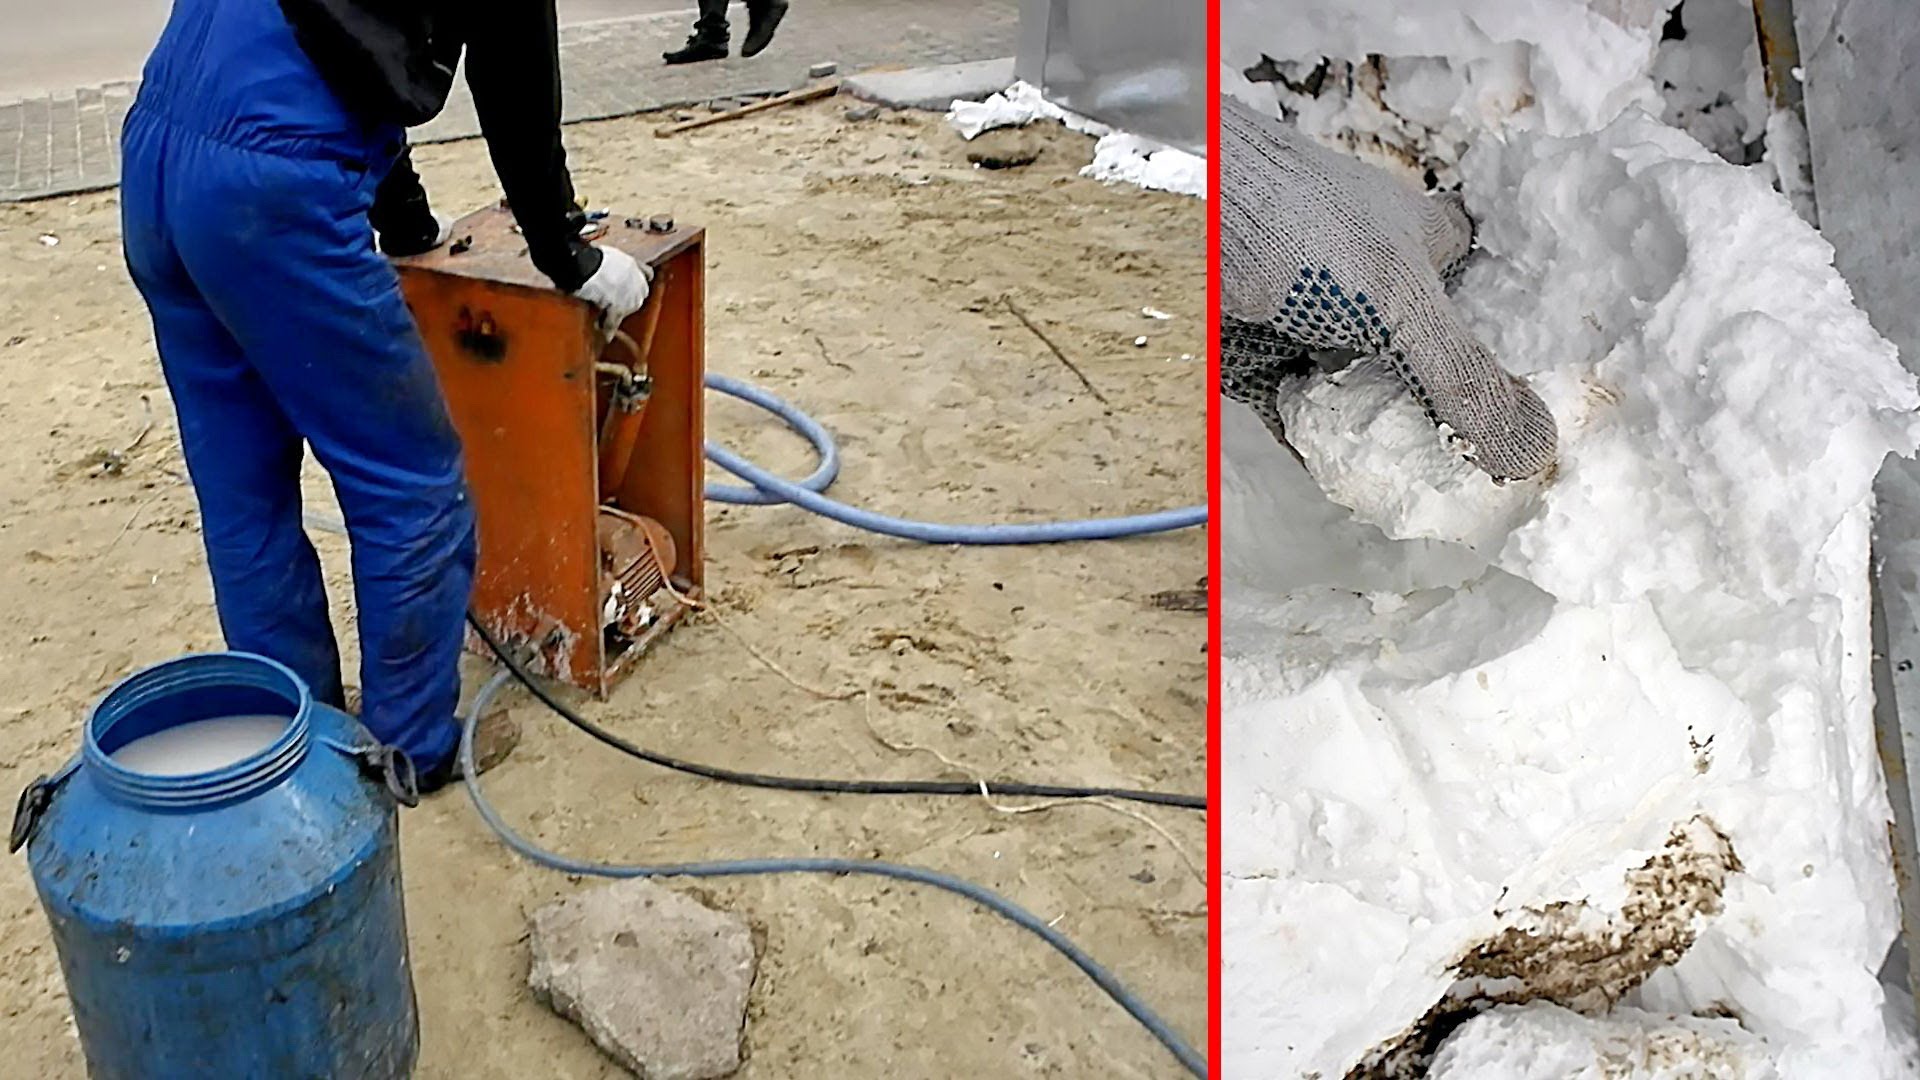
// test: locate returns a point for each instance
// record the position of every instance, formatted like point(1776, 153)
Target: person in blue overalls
point(266, 143)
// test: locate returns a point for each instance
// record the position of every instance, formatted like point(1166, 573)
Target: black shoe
point(696, 50)
point(494, 738)
point(762, 21)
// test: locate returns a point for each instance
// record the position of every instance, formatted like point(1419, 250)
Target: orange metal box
point(584, 458)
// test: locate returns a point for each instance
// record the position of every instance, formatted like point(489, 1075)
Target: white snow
point(1454, 67)
point(1711, 79)
point(1118, 157)
point(1016, 106)
point(1452, 710)
point(1791, 159)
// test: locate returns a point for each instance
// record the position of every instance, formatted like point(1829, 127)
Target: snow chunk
point(1462, 706)
point(1117, 158)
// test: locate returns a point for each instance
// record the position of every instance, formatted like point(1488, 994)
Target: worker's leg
point(712, 23)
point(709, 40)
point(763, 18)
point(243, 454)
point(283, 252)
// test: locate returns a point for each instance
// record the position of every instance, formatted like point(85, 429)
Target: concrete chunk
point(933, 88)
point(658, 980)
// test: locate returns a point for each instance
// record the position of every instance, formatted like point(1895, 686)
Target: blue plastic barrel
point(244, 922)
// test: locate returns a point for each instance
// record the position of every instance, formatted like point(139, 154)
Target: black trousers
point(713, 17)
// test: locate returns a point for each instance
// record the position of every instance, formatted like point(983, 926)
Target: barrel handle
point(35, 798)
point(388, 764)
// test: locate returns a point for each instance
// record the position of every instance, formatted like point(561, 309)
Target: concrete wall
point(1139, 65)
point(1862, 62)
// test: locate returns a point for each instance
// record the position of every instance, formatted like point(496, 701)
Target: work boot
point(698, 48)
point(493, 739)
point(762, 21)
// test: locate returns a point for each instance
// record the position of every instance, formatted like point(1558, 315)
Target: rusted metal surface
point(1779, 51)
point(519, 363)
point(1780, 59)
point(1895, 737)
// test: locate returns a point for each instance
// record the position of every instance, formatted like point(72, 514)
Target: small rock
point(658, 980)
point(862, 112)
point(822, 69)
point(49, 240)
point(1140, 342)
point(1144, 877)
point(1008, 148)
point(719, 106)
point(682, 116)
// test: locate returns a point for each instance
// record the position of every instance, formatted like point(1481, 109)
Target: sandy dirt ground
point(858, 269)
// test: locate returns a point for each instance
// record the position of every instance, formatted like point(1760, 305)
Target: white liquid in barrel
point(201, 746)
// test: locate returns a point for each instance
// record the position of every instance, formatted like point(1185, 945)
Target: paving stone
point(658, 980)
point(934, 88)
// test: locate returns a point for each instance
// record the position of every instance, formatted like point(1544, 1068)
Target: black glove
point(403, 223)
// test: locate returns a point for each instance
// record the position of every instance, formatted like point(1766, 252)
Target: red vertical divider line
point(1215, 812)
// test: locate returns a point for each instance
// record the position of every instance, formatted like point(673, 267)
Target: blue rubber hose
point(808, 428)
point(992, 901)
point(769, 488)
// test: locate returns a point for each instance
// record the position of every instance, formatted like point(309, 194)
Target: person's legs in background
point(763, 18)
point(709, 40)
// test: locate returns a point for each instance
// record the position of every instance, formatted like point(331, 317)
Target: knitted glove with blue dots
point(1320, 251)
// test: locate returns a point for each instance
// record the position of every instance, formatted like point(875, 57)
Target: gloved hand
point(1320, 251)
point(395, 245)
point(618, 288)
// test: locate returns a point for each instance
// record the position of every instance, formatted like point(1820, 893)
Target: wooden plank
point(808, 93)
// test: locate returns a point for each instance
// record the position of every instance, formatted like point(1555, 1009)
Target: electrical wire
point(826, 786)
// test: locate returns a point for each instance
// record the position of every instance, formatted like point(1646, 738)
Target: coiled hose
point(769, 488)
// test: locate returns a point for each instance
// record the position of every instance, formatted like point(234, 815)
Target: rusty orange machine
point(583, 453)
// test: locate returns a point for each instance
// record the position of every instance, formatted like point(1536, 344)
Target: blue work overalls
point(245, 187)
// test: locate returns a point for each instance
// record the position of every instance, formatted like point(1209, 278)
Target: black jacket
point(393, 61)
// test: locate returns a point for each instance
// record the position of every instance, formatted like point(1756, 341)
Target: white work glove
point(618, 288)
point(1321, 252)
